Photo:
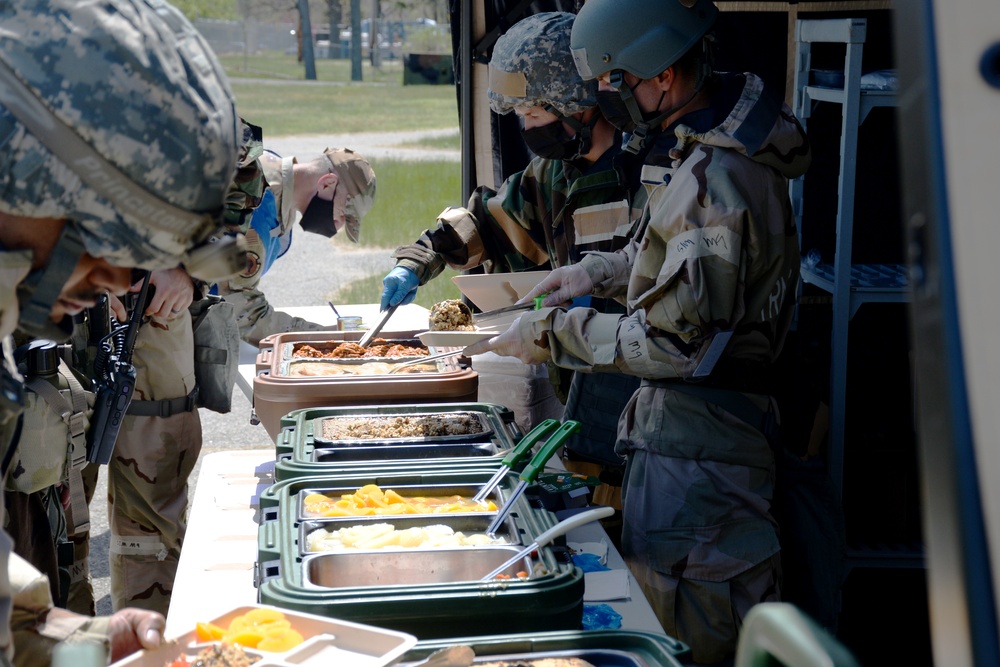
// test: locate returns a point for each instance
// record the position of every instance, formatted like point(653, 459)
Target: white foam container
point(328, 641)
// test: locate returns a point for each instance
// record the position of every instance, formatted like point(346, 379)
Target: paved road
point(293, 282)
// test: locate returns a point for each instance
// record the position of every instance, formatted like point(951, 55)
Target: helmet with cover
point(117, 117)
point(532, 66)
point(642, 37)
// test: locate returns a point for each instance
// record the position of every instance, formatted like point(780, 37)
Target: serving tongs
point(530, 472)
point(552, 533)
point(371, 333)
point(534, 304)
point(423, 360)
point(515, 456)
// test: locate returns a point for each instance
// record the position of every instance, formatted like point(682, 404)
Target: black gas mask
point(553, 142)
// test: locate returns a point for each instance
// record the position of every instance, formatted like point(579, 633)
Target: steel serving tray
point(601, 648)
point(349, 368)
point(467, 524)
point(301, 449)
point(410, 567)
point(439, 489)
point(288, 349)
point(424, 417)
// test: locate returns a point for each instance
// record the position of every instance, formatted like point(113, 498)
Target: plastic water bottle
point(79, 654)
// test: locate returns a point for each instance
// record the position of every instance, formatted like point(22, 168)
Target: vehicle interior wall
point(950, 78)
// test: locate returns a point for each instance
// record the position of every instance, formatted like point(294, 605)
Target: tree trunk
point(336, 13)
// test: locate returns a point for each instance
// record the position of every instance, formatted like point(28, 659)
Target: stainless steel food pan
point(394, 452)
point(460, 523)
point(595, 657)
point(407, 568)
point(412, 491)
point(359, 430)
point(288, 349)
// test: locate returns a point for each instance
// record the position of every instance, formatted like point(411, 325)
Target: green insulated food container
point(344, 440)
point(430, 592)
point(601, 648)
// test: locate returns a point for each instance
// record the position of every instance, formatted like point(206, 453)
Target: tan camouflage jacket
point(254, 315)
point(719, 253)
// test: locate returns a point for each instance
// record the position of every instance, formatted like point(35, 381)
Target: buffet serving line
point(254, 512)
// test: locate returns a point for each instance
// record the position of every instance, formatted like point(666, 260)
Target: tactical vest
point(53, 445)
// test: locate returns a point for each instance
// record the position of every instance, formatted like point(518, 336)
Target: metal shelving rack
point(850, 285)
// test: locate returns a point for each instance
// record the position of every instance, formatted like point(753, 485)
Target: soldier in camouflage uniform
point(710, 286)
point(104, 167)
point(161, 437)
point(331, 192)
point(568, 201)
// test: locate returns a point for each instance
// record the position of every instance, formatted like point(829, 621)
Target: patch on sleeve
point(704, 242)
point(635, 351)
point(599, 223)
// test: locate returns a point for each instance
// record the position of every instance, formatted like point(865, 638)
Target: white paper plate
point(328, 641)
point(490, 291)
point(455, 338)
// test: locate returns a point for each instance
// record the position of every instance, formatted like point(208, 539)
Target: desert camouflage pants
point(147, 507)
point(700, 576)
point(148, 473)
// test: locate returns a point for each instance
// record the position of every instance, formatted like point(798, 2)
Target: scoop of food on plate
point(451, 315)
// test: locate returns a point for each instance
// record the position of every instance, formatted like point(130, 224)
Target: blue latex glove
point(399, 287)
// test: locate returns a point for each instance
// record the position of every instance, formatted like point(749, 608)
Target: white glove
point(562, 286)
point(510, 343)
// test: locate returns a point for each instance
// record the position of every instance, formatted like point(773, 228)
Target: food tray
point(328, 641)
point(301, 450)
point(334, 369)
point(442, 488)
point(460, 523)
point(479, 427)
point(601, 648)
point(288, 350)
point(392, 452)
point(427, 607)
point(426, 567)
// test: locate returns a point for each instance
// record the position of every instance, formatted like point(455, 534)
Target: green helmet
point(642, 37)
point(532, 66)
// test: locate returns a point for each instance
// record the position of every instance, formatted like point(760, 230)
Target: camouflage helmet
point(532, 66)
point(642, 37)
point(134, 88)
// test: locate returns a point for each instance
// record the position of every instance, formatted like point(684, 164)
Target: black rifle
point(115, 383)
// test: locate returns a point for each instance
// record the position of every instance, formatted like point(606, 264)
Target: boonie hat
point(355, 174)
